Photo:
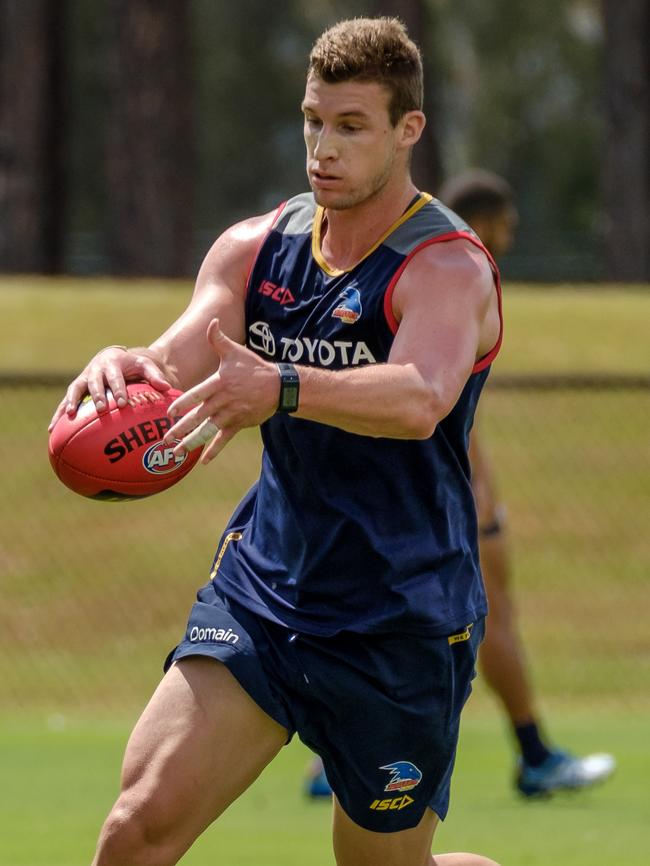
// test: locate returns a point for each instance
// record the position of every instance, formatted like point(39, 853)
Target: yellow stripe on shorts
point(232, 536)
point(461, 636)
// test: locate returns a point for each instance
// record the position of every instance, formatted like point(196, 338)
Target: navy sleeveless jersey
point(342, 531)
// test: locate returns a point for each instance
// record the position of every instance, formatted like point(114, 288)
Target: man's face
point(351, 144)
point(498, 231)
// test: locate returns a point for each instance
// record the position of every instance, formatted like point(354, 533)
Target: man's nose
point(325, 146)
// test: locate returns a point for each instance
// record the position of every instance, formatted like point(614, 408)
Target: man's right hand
point(110, 368)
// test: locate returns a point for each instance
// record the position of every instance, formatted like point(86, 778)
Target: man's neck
point(349, 234)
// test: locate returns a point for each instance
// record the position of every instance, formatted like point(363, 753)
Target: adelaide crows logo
point(404, 776)
point(348, 309)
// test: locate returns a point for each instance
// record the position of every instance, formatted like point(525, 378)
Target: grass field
point(60, 324)
point(73, 670)
point(58, 783)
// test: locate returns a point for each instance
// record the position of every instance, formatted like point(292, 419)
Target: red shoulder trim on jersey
point(392, 322)
point(276, 217)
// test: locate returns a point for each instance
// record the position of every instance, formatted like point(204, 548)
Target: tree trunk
point(31, 132)
point(626, 165)
point(149, 155)
point(426, 167)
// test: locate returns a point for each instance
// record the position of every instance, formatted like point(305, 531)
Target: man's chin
point(332, 200)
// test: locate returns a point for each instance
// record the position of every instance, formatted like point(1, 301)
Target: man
point(356, 325)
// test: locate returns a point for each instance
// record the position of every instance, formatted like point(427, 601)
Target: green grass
point(60, 778)
point(60, 324)
point(564, 328)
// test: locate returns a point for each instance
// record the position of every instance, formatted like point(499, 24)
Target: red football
point(118, 454)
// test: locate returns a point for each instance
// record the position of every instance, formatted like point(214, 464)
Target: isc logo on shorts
point(403, 777)
point(396, 803)
point(160, 459)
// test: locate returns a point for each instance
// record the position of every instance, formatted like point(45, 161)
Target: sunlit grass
point(58, 324)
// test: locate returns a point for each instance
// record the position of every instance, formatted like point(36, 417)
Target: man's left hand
point(242, 393)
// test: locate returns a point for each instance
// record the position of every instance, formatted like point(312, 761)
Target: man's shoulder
point(461, 259)
point(292, 216)
point(426, 221)
point(296, 215)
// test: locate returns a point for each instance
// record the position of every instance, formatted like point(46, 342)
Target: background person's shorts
point(381, 710)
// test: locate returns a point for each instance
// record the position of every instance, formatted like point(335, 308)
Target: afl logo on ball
point(160, 459)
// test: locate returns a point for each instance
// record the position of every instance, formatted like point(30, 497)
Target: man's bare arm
point(181, 356)
point(446, 305)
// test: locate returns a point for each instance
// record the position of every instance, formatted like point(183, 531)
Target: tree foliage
point(626, 165)
point(522, 92)
point(183, 116)
point(31, 131)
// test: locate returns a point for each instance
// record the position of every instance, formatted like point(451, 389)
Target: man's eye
point(347, 127)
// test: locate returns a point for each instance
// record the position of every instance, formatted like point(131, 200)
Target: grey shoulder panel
point(297, 216)
point(431, 221)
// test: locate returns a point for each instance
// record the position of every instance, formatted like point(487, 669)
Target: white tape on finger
point(203, 433)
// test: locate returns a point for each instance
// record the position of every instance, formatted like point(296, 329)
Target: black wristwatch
point(289, 388)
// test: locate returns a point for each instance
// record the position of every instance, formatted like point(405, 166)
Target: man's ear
point(412, 125)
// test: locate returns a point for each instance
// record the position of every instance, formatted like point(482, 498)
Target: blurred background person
point(487, 204)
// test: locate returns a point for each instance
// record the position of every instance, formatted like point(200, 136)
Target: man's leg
point(543, 768)
point(200, 742)
point(354, 846)
point(501, 656)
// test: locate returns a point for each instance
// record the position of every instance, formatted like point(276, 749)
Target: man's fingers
point(190, 422)
point(97, 389)
point(217, 445)
point(70, 402)
point(219, 341)
point(58, 412)
point(109, 372)
point(77, 389)
point(201, 435)
point(117, 384)
point(215, 334)
point(194, 397)
point(152, 374)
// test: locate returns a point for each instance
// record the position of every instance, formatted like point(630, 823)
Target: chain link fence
point(94, 594)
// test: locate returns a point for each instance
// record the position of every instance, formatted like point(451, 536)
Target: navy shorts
point(381, 710)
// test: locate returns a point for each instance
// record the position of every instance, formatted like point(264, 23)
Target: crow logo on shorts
point(404, 776)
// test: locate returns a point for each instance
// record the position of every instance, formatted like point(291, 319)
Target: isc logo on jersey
point(161, 460)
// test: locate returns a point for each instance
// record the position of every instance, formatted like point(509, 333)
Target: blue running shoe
point(317, 785)
point(563, 772)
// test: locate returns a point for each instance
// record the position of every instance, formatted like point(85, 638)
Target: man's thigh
point(200, 742)
point(355, 846)
point(383, 713)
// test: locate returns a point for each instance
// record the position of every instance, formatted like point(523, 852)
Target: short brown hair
point(477, 193)
point(372, 49)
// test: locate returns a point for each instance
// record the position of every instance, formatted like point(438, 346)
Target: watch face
point(289, 388)
point(290, 397)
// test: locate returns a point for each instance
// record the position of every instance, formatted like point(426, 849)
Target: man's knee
point(131, 836)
